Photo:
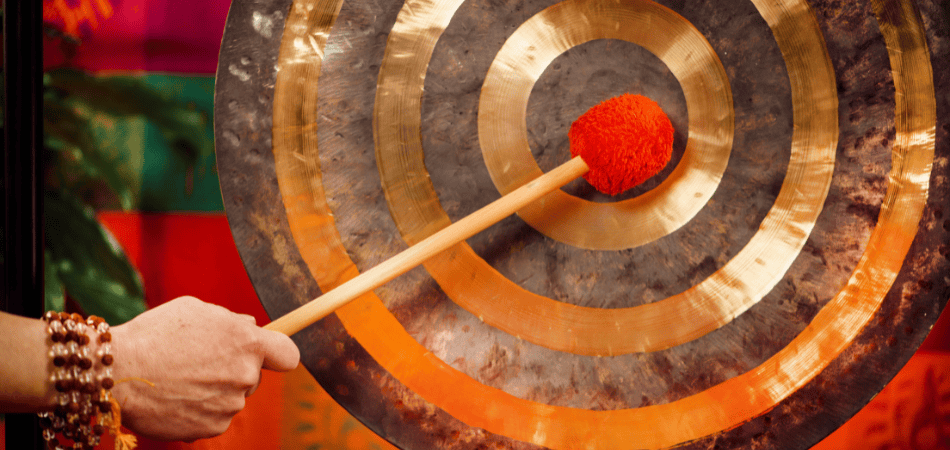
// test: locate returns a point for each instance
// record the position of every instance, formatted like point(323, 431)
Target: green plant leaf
point(55, 300)
point(179, 123)
point(80, 161)
point(94, 270)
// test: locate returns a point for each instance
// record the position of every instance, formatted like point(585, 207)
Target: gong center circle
point(586, 75)
point(503, 133)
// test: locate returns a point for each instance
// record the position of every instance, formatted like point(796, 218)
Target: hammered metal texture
point(759, 307)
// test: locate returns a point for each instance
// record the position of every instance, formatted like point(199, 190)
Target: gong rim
point(265, 240)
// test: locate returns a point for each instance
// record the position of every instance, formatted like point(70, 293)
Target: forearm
point(24, 365)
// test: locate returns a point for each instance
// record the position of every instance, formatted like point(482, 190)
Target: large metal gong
point(755, 294)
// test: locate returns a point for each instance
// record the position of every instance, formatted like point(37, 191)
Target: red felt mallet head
point(624, 140)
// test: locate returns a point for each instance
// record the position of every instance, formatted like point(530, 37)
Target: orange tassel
point(123, 441)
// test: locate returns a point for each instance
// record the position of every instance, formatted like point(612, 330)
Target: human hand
point(203, 361)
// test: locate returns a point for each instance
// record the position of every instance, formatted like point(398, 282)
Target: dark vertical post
point(23, 192)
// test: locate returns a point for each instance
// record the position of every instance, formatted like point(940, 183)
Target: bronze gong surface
point(755, 294)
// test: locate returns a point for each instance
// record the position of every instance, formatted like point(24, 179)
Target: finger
point(280, 353)
point(248, 318)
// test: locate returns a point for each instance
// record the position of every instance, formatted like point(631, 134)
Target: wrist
point(124, 368)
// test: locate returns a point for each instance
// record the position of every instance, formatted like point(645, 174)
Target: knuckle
point(221, 426)
point(236, 406)
point(250, 379)
point(189, 299)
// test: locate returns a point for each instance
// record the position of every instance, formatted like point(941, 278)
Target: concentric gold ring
point(722, 407)
point(474, 285)
point(503, 132)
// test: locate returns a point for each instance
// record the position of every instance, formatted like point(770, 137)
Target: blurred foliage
point(81, 113)
point(83, 260)
point(85, 171)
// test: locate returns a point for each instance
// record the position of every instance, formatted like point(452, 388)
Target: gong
point(754, 294)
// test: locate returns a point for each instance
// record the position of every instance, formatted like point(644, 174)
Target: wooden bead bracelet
point(82, 378)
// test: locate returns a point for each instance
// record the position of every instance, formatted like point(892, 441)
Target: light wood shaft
point(406, 260)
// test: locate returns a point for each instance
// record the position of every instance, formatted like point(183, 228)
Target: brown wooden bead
point(72, 407)
point(61, 386)
point(73, 361)
point(88, 388)
point(76, 317)
point(107, 360)
point(55, 337)
point(63, 316)
point(107, 383)
point(98, 429)
point(85, 363)
point(105, 337)
point(83, 339)
point(72, 336)
point(105, 407)
point(59, 361)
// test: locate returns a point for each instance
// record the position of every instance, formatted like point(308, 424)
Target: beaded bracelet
point(82, 378)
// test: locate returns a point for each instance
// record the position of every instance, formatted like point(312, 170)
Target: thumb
point(279, 351)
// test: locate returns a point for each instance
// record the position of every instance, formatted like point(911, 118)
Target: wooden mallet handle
point(406, 260)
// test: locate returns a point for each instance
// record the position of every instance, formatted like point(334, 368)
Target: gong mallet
point(616, 145)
